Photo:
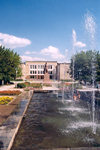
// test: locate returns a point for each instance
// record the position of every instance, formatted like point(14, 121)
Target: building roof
point(42, 61)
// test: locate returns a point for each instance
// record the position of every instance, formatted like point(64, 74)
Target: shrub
point(5, 100)
point(19, 80)
point(36, 85)
point(67, 83)
point(21, 85)
point(47, 84)
point(68, 80)
point(27, 84)
point(15, 92)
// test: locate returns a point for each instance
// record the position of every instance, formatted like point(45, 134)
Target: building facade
point(34, 70)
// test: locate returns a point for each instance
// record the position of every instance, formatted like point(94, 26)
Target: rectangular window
point(39, 66)
point(49, 66)
point(30, 66)
point(35, 67)
point(32, 77)
point(30, 72)
point(34, 72)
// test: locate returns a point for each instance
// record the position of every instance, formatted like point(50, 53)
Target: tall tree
point(98, 67)
point(9, 64)
point(83, 65)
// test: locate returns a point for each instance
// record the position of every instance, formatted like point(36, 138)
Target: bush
point(27, 84)
point(19, 80)
point(68, 80)
point(21, 85)
point(11, 83)
point(47, 85)
point(15, 92)
point(36, 85)
point(5, 100)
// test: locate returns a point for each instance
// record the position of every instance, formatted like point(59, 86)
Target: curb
point(17, 128)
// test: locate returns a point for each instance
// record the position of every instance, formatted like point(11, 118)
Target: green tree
point(83, 65)
point(9, 64)
point(98, 67)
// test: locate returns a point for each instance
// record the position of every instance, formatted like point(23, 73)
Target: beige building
point(34, 70)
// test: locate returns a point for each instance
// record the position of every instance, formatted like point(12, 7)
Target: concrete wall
point(64, 71)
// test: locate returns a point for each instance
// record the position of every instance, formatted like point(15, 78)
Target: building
point(34, 70)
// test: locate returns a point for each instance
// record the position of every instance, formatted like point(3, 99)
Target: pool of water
point(52, 123)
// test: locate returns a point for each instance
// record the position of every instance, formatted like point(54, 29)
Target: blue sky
point(42, 29)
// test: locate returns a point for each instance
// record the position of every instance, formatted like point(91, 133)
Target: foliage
point(21, 85)
point(98, 67)
point(28, 84)
point(83, 65)
point(47, 84)
point(67, 80)
point(9, 64)
point(36, 85)
point(5, 100)
point(15, 92)
point(18, 80)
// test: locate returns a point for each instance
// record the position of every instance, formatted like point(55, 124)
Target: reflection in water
point(52, 123)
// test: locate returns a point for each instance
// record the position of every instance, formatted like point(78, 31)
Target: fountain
point(59, 122)
point(63, 86)
point(90, 28)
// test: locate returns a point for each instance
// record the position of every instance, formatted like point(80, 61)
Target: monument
point(46, 74)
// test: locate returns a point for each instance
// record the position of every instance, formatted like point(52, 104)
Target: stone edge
point(18, 126)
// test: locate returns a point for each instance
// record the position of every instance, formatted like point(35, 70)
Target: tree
point(83, 65)
point(9, 64)
point(98, 67)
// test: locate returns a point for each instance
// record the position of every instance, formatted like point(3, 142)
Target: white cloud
point(29, 52)
point(53, 53)
point(75, 42)
point(29, 58)
point(50, 53)
point(11, 41)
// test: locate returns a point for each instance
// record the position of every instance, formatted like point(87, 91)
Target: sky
point(48, 29)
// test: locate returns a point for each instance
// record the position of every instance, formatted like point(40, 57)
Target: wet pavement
point(8, 128)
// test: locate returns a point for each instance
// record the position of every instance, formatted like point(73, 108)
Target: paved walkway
point(50, 88)
point(7, 87)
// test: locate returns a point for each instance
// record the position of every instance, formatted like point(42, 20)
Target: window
point(35, 67)
point(50, 72)
point(30, 72)
point(49, 66)
point(35, 72)
point(42, 66)
point(32, 77)
point(30, 66)
point(39, 66)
